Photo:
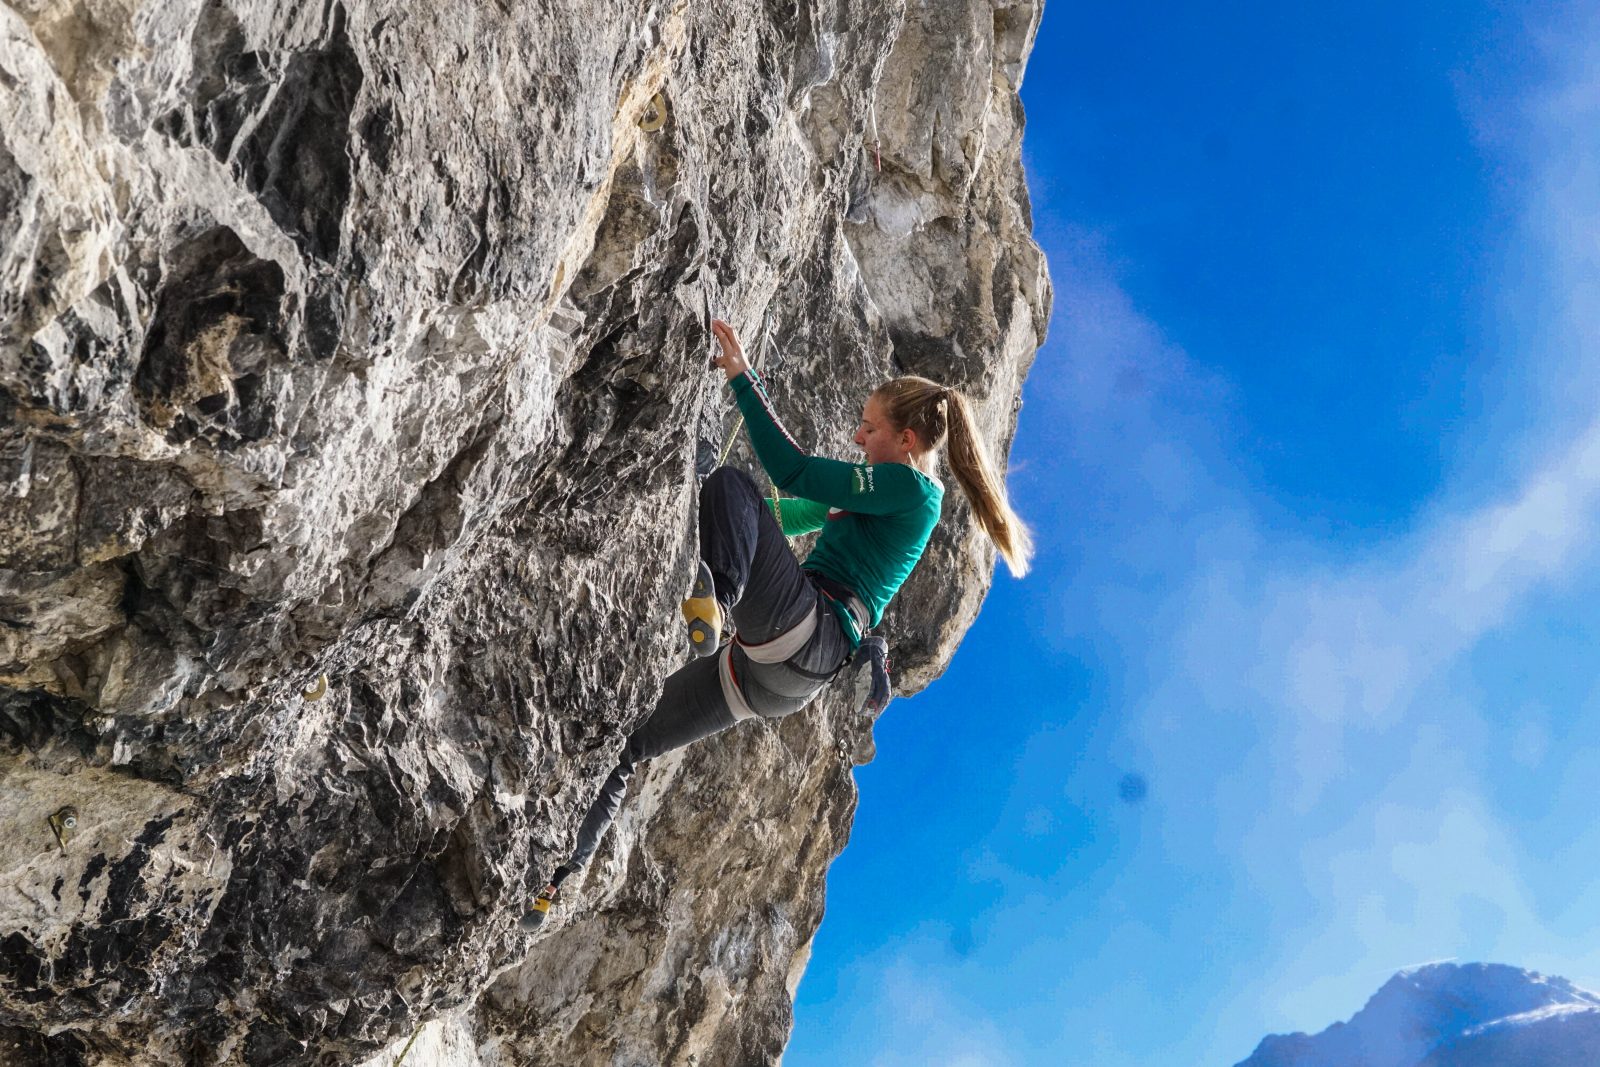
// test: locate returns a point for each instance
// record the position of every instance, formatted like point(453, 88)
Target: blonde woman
point(797, 623)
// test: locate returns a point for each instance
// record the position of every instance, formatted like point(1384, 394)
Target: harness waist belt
point(785, 644)
point(730, 685)
point(838, 591)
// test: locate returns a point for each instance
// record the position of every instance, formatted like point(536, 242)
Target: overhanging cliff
point(366, 341)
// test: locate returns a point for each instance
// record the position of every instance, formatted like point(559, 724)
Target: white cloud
point(1347, 648)
point(1317, 707)
point(909, 1011)
point(1337, 669)
point(1308, 717)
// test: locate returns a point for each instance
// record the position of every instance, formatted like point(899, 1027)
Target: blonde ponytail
point(937, 412)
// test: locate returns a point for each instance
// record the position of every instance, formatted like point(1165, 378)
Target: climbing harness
point(867, 650)
point(842, 600)
point(784, 645)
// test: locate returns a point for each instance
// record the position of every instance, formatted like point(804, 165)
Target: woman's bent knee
point(731, 479)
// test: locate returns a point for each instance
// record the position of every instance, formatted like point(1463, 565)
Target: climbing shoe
point(703, 614)
point(535, 916)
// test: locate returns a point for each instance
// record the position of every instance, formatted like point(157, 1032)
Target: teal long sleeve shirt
point(875, 518)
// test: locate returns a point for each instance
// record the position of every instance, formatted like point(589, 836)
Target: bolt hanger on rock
point(64, 823)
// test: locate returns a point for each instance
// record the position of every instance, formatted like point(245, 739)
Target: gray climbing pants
point(788, 644)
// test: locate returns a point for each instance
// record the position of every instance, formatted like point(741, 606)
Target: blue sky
point(1313, 452)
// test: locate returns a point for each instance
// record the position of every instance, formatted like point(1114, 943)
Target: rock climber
point(795, 625)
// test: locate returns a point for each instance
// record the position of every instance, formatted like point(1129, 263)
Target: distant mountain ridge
point(1454, 1015)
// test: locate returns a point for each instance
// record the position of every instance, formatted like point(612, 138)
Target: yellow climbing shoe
point(703, 614)
point(535, 916)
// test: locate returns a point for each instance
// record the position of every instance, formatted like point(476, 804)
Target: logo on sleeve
point(861, 483)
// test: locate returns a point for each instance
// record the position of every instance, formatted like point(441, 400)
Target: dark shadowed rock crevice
point(359, 351)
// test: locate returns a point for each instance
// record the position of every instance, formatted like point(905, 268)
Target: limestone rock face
point(353, 382)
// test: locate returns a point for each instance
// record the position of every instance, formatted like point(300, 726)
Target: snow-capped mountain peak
point(1454, 1015)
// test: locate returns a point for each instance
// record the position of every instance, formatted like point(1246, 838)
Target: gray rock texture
point(365, 342)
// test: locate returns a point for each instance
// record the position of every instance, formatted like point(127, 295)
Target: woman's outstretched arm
point(869, 489)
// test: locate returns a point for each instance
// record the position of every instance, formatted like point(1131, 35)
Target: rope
point(405, 1051)
point(727, 446)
